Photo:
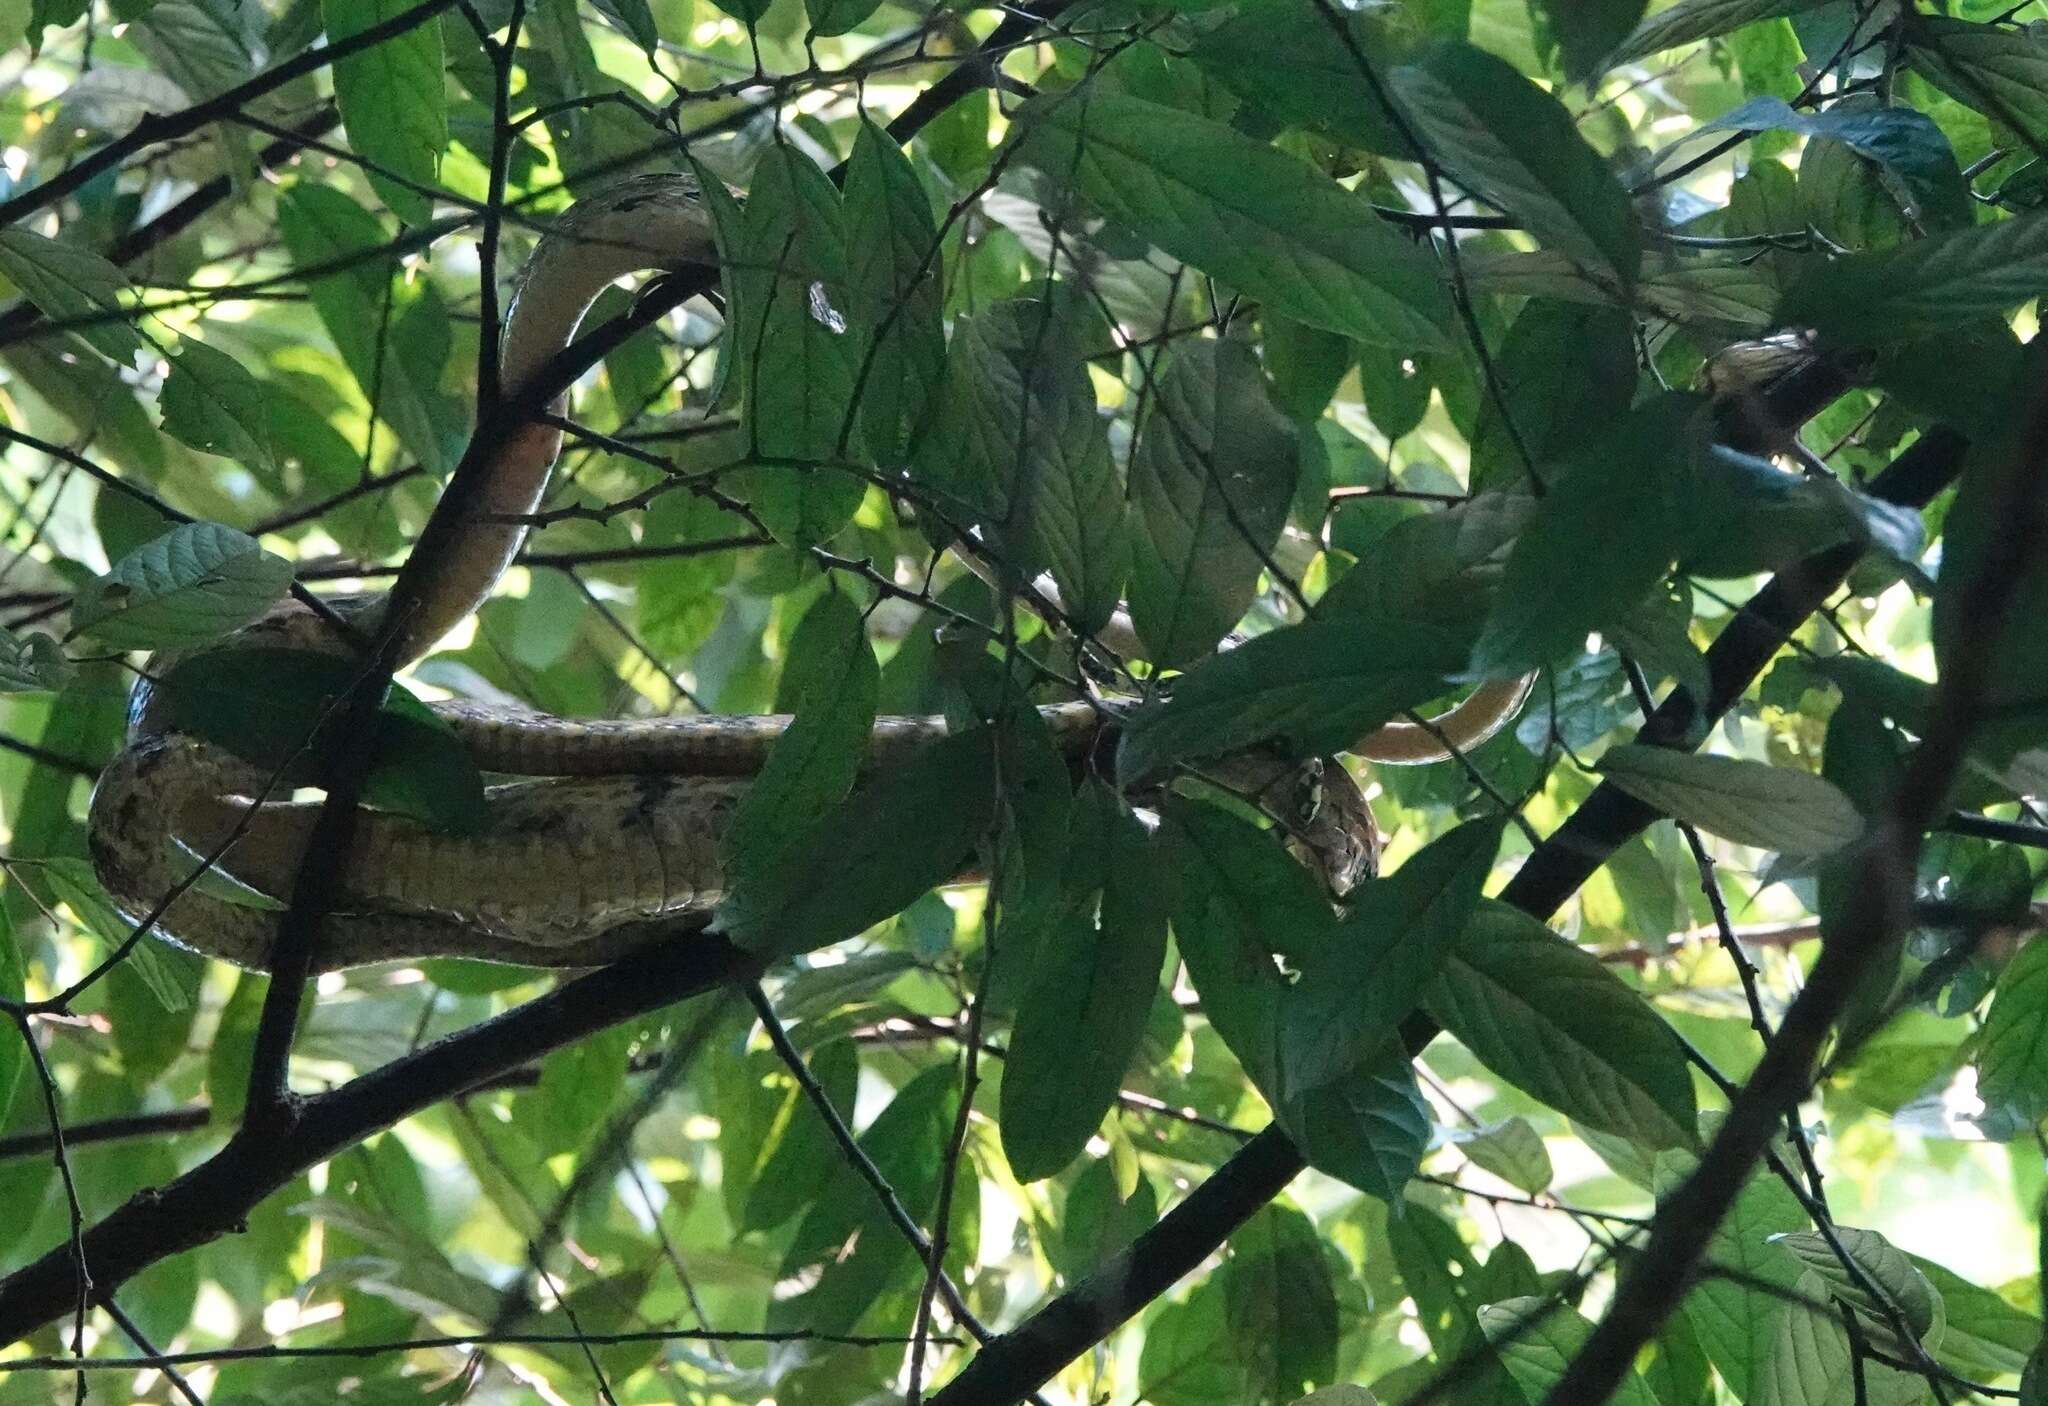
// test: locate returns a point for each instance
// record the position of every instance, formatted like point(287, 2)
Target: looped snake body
point(613, 831)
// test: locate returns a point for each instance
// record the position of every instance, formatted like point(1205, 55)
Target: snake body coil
point(614, 830)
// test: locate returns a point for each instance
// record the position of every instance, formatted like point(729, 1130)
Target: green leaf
point(1280, 1303)
point(67, 282)
point(212, 404)
point(1284, 58)
point(168, 976)
point(1699, 19)
point(1883, 1264)
point(393, 101)
point(798, 1158)
point(1902, 141)
point(1356, 988)
point(32, 663)
point(1019, 441)
point(1368, 1127)
point(1588, 31)
point(1747, 516)
point(13, 1055)
point(813, 764)
point(2012, 1053)
point(795, 334)
point(1986, 1336)
point(2000, 71)
point(1751, 803)
point(1252, 216)
point(1081, 1021)
point(1620, 492)
point(1735, 1315)
point(1515, 144)
point(195, 583)
point(1558, 1024)
point(1562, 367)
point(829, 17)
point(845, 1249)
point(1236, 899)
point(1310, 689)
point(1210, 487)
point(633, 19)
point(891, 243)
point(908, 829)
point(1927, 286)
point(1974, 521)
point(1512, 1150)
point(1536, 1337)
point(1809, 1360)
point(357, 303)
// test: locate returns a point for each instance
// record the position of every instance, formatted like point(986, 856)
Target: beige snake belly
point(614, 834)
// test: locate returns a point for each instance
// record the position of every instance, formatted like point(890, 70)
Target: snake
point(599, 836)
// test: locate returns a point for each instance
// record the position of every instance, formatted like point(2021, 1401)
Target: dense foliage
point(1689, 1048)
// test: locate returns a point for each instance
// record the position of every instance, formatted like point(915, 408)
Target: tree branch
point(1086, 1314)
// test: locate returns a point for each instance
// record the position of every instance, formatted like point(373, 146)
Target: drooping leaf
point(1356, 988)
point(796, 333)
point(2000, 70)
point(1536, 1337)
point(1084, 1014)
point(1900, 1287)
point(2012, 1056)
point(1310, 689)
point(892, 246)
point(1689, 20)
point(1280, 1303)
point(1623, 491)
point(1210, 487)
point(32, 663)
point(69, 282)
point(1512, 1150)
point(1751, 803)
point(1903, 141)
point(1286, 58)
point(1019, 441)
point(1515, 144)
point(906, 830)
point(212, 403)
point(1809, 1359)
point(813, 764)
point(1555, 1022)
point(193, 584)
point(1369, 1126)
point(1922, 287)
point(1735, 1314)
point(1562, 367)
point(846, 1251)
point(393, 100)
point(1243, 211)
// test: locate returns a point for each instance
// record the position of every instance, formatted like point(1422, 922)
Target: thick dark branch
point(164, 127)
point(215, 1197)
point(1086, 1314)
point(1877, 911)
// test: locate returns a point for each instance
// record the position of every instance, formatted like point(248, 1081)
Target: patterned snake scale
point(611, 834)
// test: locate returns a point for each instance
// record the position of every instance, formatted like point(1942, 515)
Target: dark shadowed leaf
point(1516, 145)
point(894, 267)
point(1251, 215)
point(908, 829)
point(1923, 287)
point(1210, 487)
point(1084, 1014)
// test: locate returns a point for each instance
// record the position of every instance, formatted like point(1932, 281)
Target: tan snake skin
point(614, 833)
